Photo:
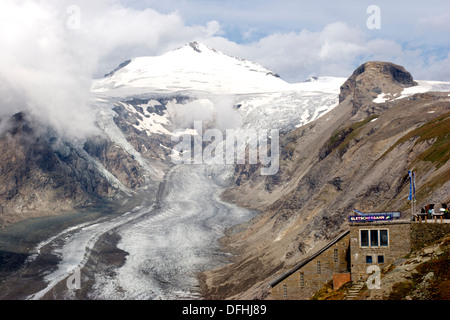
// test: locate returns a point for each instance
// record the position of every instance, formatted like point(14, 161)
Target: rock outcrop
point(372, 79)
point(370, 75)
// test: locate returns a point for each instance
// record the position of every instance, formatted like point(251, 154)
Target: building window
point(285, 291)
point(302, 279)
point(383, 238)
point(374, 238)
point(380, 259)
point(364, 236)
point(336, 256)
point(368, 259)
point(319, 268)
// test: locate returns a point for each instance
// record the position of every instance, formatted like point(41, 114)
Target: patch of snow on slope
point(425, 86)
point(422, 87)
point(149, 122)
point(382, 97)
point(105, 120)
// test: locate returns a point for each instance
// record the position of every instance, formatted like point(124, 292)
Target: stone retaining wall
point(423, 234)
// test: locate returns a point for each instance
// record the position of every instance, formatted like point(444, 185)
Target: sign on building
point(385, 216)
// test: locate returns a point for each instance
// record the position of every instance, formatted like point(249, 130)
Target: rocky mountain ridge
point(357, 156)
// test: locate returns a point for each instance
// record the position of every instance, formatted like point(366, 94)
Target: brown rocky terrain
point(357, 156)
point(422, 275)
point(371, 79)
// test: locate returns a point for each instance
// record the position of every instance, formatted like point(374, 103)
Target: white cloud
point(39, 71)
point(436, 23)
point(326, 39)
point(47, 61)
point(298, 55)
point(438, 68)
point(336, 50)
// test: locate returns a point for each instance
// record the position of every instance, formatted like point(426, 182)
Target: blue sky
point(285, 16)
point(295, 38)
point(405, 21)
point(415, 33)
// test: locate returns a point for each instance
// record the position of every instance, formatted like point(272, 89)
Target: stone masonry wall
point(306, 281)
point(423, 234)
point(399, 244)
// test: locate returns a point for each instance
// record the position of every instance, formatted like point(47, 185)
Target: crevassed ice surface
point(167, 249)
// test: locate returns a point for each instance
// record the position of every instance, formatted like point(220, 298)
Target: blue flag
point(410, 185)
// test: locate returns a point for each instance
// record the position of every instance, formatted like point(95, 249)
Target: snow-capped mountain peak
point(202, 48)
point(221, 89)
point(193, 66)
point(197, 47)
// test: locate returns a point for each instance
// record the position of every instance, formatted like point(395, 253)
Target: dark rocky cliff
point(373, 73)
point(41, 174)
point(371, 79)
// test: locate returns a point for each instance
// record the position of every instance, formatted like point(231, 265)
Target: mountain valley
point(145, 228)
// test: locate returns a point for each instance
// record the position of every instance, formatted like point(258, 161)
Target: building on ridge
point(371, 239)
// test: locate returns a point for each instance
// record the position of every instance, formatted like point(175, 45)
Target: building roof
point(378, 223)
point(308, 259)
